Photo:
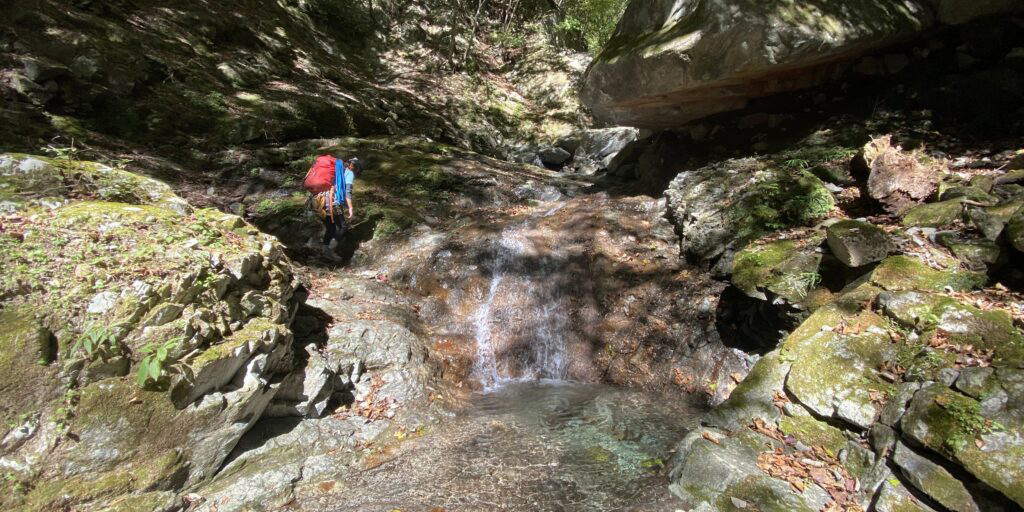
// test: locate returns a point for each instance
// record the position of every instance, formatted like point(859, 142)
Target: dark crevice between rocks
point(1011, 275)
point(754, 325)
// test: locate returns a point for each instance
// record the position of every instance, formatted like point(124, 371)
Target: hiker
point(330, 180)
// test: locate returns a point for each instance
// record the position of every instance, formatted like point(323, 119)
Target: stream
point(530, 439)
point(537, 446)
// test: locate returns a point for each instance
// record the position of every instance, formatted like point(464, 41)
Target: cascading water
point(520, 327)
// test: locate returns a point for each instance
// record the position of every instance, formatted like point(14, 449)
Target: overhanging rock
point(674, 61)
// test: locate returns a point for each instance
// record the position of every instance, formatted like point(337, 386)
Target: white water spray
point(523, 306)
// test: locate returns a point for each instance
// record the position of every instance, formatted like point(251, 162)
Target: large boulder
point(115, 274)
point(719, 208)
point(670, 62)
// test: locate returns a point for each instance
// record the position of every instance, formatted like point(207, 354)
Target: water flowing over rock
point(670, 62)
point(524, 313)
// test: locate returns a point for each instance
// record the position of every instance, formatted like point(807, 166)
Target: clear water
point(539, 446)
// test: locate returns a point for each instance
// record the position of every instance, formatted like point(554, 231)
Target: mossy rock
point(787, 268)
point(970, 193)
point(894, 497)
point(162, 470)
point(753, 397)
point(217, 365)
point(40, 177)
point(1015, 230)
point(982, 182)
point(934, 480)
point(898, 273)
point(156, 501)
point(960, 323)
point(991, 220)
point(714, 474)
point(835, 355)
point(779, 200)
point(814, 433)
point(976, 253)
point(856, 243)
point(955, 426)
point(28, 373)
point(934, 215)
point(720, 208)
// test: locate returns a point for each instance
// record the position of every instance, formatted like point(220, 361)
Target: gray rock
point(714, 207)
point(975, 382)
point(102, 302)
point(704, 472)
point(856, 243)
point(671, 62)
point(602, 145)
point(934, 480)
point(829, 368)
point(163, 314)
point(947, 376)
point(893, 497)
point(883, 439)
point(753, 397)
point(554, 156)
point(991, 220)
point(1015, 230)
point(897, 404)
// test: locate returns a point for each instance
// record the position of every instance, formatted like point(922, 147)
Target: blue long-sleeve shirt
point(343, 179)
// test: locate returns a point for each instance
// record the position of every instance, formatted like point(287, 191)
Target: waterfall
point(521, 325)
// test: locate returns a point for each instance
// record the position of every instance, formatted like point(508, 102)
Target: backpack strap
point(339, 181)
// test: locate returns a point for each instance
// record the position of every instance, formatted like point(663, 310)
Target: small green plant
point(68, 153)
point(65, 412)
point(968, 421)
point(927, 321)
point(803, 282)
point(796, 164)
point(155, 360)
point(96, 340)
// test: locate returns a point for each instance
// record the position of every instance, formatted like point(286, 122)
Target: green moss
point(283, 208)
point(935, 215)
point(908, 273)
point(96, 211)
point(781, 267)
point(969, 193)
point(157, 500)
point(252, 332)
point(62, 494)
point(814, 433)
point(27, 375)
point(779, 201)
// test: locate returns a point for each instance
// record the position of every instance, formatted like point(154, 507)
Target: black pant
point(335, 228)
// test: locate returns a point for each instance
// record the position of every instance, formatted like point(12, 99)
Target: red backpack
point(320, 177)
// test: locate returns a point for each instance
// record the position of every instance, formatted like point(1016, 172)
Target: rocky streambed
point(176, 357)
